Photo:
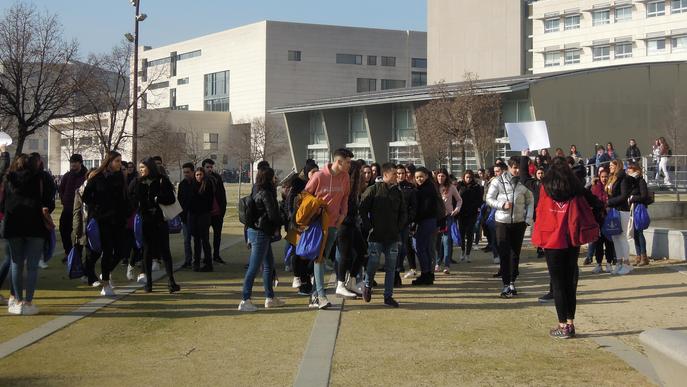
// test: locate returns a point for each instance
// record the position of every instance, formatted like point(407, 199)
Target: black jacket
point(219, 191)
point(473, 197)
point(427, 197)
point(147, 192)
point(23, 204)
point(621, 191)
point(268, 215)
point(528, 180)
point(185, 198)
point(201, 202)
point(383, 208)
point(640, 192)
point(410, 196)
point(633, 154)
point(106, 198)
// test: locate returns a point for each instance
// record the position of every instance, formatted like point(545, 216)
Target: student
point(71, 181)
point(383, 207)
point(260, 235)
point(603, 244)
point(331, 185)
point(619, 189)
point(426, 220)
point(610, 151)
point(633, 155)
point(471, 194)
point(185, 198)
point(514, 205)
point(663, 152)
point(219, 208)
point(639, 195)
point(406, 250)
point(47, 184)
point(575, 154)
point(348, 257)
point(366, 173)
point(452, 203)
point(106, 197)
point(199, 209)
point(148, 191)
point(533, 184)
point(302, 269)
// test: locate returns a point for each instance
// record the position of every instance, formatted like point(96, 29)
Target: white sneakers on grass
point(22, 308)
point(342, 291)
point(107, 291)
point(274, 303)
point(141, 278)
point(296, 283)
point(112, 284)
point(247, 306)
point(42, 264)
point(15, 308)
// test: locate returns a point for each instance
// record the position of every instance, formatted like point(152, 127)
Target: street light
point(138, 17)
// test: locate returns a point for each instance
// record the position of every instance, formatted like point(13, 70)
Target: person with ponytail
point(619, 189)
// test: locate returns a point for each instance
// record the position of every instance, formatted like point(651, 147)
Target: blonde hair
point(613, 178)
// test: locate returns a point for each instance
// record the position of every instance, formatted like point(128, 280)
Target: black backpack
point(247, 211)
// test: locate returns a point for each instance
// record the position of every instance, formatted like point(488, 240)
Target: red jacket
point(561, 225)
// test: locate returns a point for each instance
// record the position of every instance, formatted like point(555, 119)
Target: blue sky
point(100, 24)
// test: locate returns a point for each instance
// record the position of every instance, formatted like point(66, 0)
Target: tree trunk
point(21, 138)
point(450, 157)
point(463, 156)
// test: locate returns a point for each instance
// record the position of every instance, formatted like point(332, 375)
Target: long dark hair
point(203, 184)
point(354, 174)
point(20, 163)
point(560, 183)
point(265, 179)
point(153, 169)
point(447, 182)
point(105, 165)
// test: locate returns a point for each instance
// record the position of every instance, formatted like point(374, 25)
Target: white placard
point(5, 139)
point(531, 135)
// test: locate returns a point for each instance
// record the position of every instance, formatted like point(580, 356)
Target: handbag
point(170, 211)
point(138, 230)
point(308, 246)
point(74, 264)
point(612, 224)
point(630, 231)
point(455, 232)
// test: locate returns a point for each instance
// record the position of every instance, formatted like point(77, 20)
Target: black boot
point(423, 279)
point(172, 286)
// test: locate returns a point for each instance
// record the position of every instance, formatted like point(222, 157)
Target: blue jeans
point(260, 253)
point(424, 245)
point(319, 267)
point(188, 253)
point(390, 251)
point(640, 242)
point(29, 250)
point(447, 245)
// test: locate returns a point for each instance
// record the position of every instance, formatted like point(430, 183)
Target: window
point(680, 43)
point(366, 84)
point(159, 85)
point(188, 55)
point(656, 8)
point(317, 134)
point(552, 59)
point(419, 63)
point(172, 98)
point(600, 53)
point(182, 81)
point(144, 101)
point(389, 61)
point(678, 6)
point(551, 25)
point(217, 92)
point(656, 46)
point(65, 142)
point(85, 141)
point(294, 56)
point(157, 62)
point(601, 17)
point(173, 64)
point(349, 59)
point(572, 56)
point(418, 78)
point(356, 127)
point(572, 22)
point(372, 60)
point(180, 107)
point(210, 141)
point(321, 156)
point(404, 129)
point(388, 84)
point(623, 14)
point(623, 50)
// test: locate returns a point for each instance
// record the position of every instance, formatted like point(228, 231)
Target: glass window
point(679, 43)
point(45, 144)
point(188, 55)
point(317, 134)
point(601, 17)
point(405, 155)
point(172, 98)
point(552, 59)
point(294, 56)
point(182, 81)
point(321, 156)
point(656, 46)
point(159, 85)
point(372, 60)
point(388, 84)
point(362, 152)
point(572, 57)
point(572, 22)
point(349, 59)
point(389, 61)
point(656, 8)
point(623, 50)
point(551, 25)
point(419, 63)
point(357, 131)
point(157, 62)
point(366, 84)
point(601, 53)
point(678, 6)
point(216, 105)
point(210, 141)
point(217, 92)
point(623, 14)
point(181, 107)
point(173, 64)
point(404, 129)
point(418, 78)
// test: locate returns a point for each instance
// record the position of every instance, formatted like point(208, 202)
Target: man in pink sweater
point(332, 185)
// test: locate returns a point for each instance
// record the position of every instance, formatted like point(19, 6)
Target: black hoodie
point(22, 205)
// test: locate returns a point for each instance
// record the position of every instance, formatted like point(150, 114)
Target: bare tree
point(38, 73)
point(433, 143)
point(675, 128)
point(263, 139)
point(161, 140)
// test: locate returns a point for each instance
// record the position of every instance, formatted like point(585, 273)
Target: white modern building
point(582, 34)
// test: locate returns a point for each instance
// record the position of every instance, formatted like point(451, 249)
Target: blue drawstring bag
point(308, 246)
point(612, 224)
point(49, 245)
point(455, 232)
point(491, 219)
point(138, 230)
point(641, 219)
point(74, 265)
point(93, 236)
point(288, 253)
point(174, 225)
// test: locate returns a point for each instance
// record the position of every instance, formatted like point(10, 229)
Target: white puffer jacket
point(507, 189)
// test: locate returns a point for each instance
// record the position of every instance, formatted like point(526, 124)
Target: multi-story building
point(582, 34)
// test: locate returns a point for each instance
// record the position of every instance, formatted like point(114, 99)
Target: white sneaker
point(618, 268)
point(156, 265)
point(275, 283)
point(247, 306)
point(410, 274)
point(42, 264)
point(343, 292)
point(323, 303)
point(131, 273)
point(626, 269)
point(29, 309)
point(296, 283)
point(95, 284)
point(274, 302)
point(107, 291)
point(354, 286)
point(497, 261)
point(597, 269)
point(112, 285)
point(141, 278)
point(609, 268)
point(15, 308)
point(11, 301)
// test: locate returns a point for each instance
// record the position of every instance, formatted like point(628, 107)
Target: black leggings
point(509, 238)
point(112, 239)
point(200, 230)
point(351, 255)
point(156, 245)
point(216, 222)
point(564, 273)
point(466, 225)
point(602, 244)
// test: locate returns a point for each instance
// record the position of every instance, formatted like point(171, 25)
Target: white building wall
point(637, 29)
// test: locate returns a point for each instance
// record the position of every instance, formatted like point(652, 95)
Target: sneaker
point(343, 292)
point(110, 281)
point(275, 283)
point(29, 309)
point(296, 282)
point(247, 306)
point(587, 261)
point(548, 297)
point(389, 301)
point(462, 258)
point(95, 284)
point(497, 261)
point(437, 268)
point(467, 259)
point(141, 278)
point(597, 269)
point(131, 273)
point(274, 303)
point(287, 268)
point(571, 329)
point(410, 274)
point(618, 268)
point(84, 279)
point(560, 332)
point(323, 303)
point(156, 266)
point(15, 308)
point(219, 260)
point(625, 269)
point(609, 268)
point(513, 290)
point(367, 294)
point(423, 279)
point(11, 301)
point(42, 264)
point(354, 286)
point(314, 302)
point(447, 271)
point(506, 292)
point(107, 291)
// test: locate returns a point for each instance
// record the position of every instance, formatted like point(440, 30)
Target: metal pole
point(134, 120)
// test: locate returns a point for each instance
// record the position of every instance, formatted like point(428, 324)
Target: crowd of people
point(348, 213)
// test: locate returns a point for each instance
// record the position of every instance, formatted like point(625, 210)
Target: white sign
point(531, 135)
point(5, 139)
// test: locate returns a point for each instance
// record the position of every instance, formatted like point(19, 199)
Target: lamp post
point(138, 17)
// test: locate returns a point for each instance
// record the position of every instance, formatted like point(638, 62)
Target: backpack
point(640, 217)
point(247, 211)
point(612, 224)
point(582, 223)
point(310, 242)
